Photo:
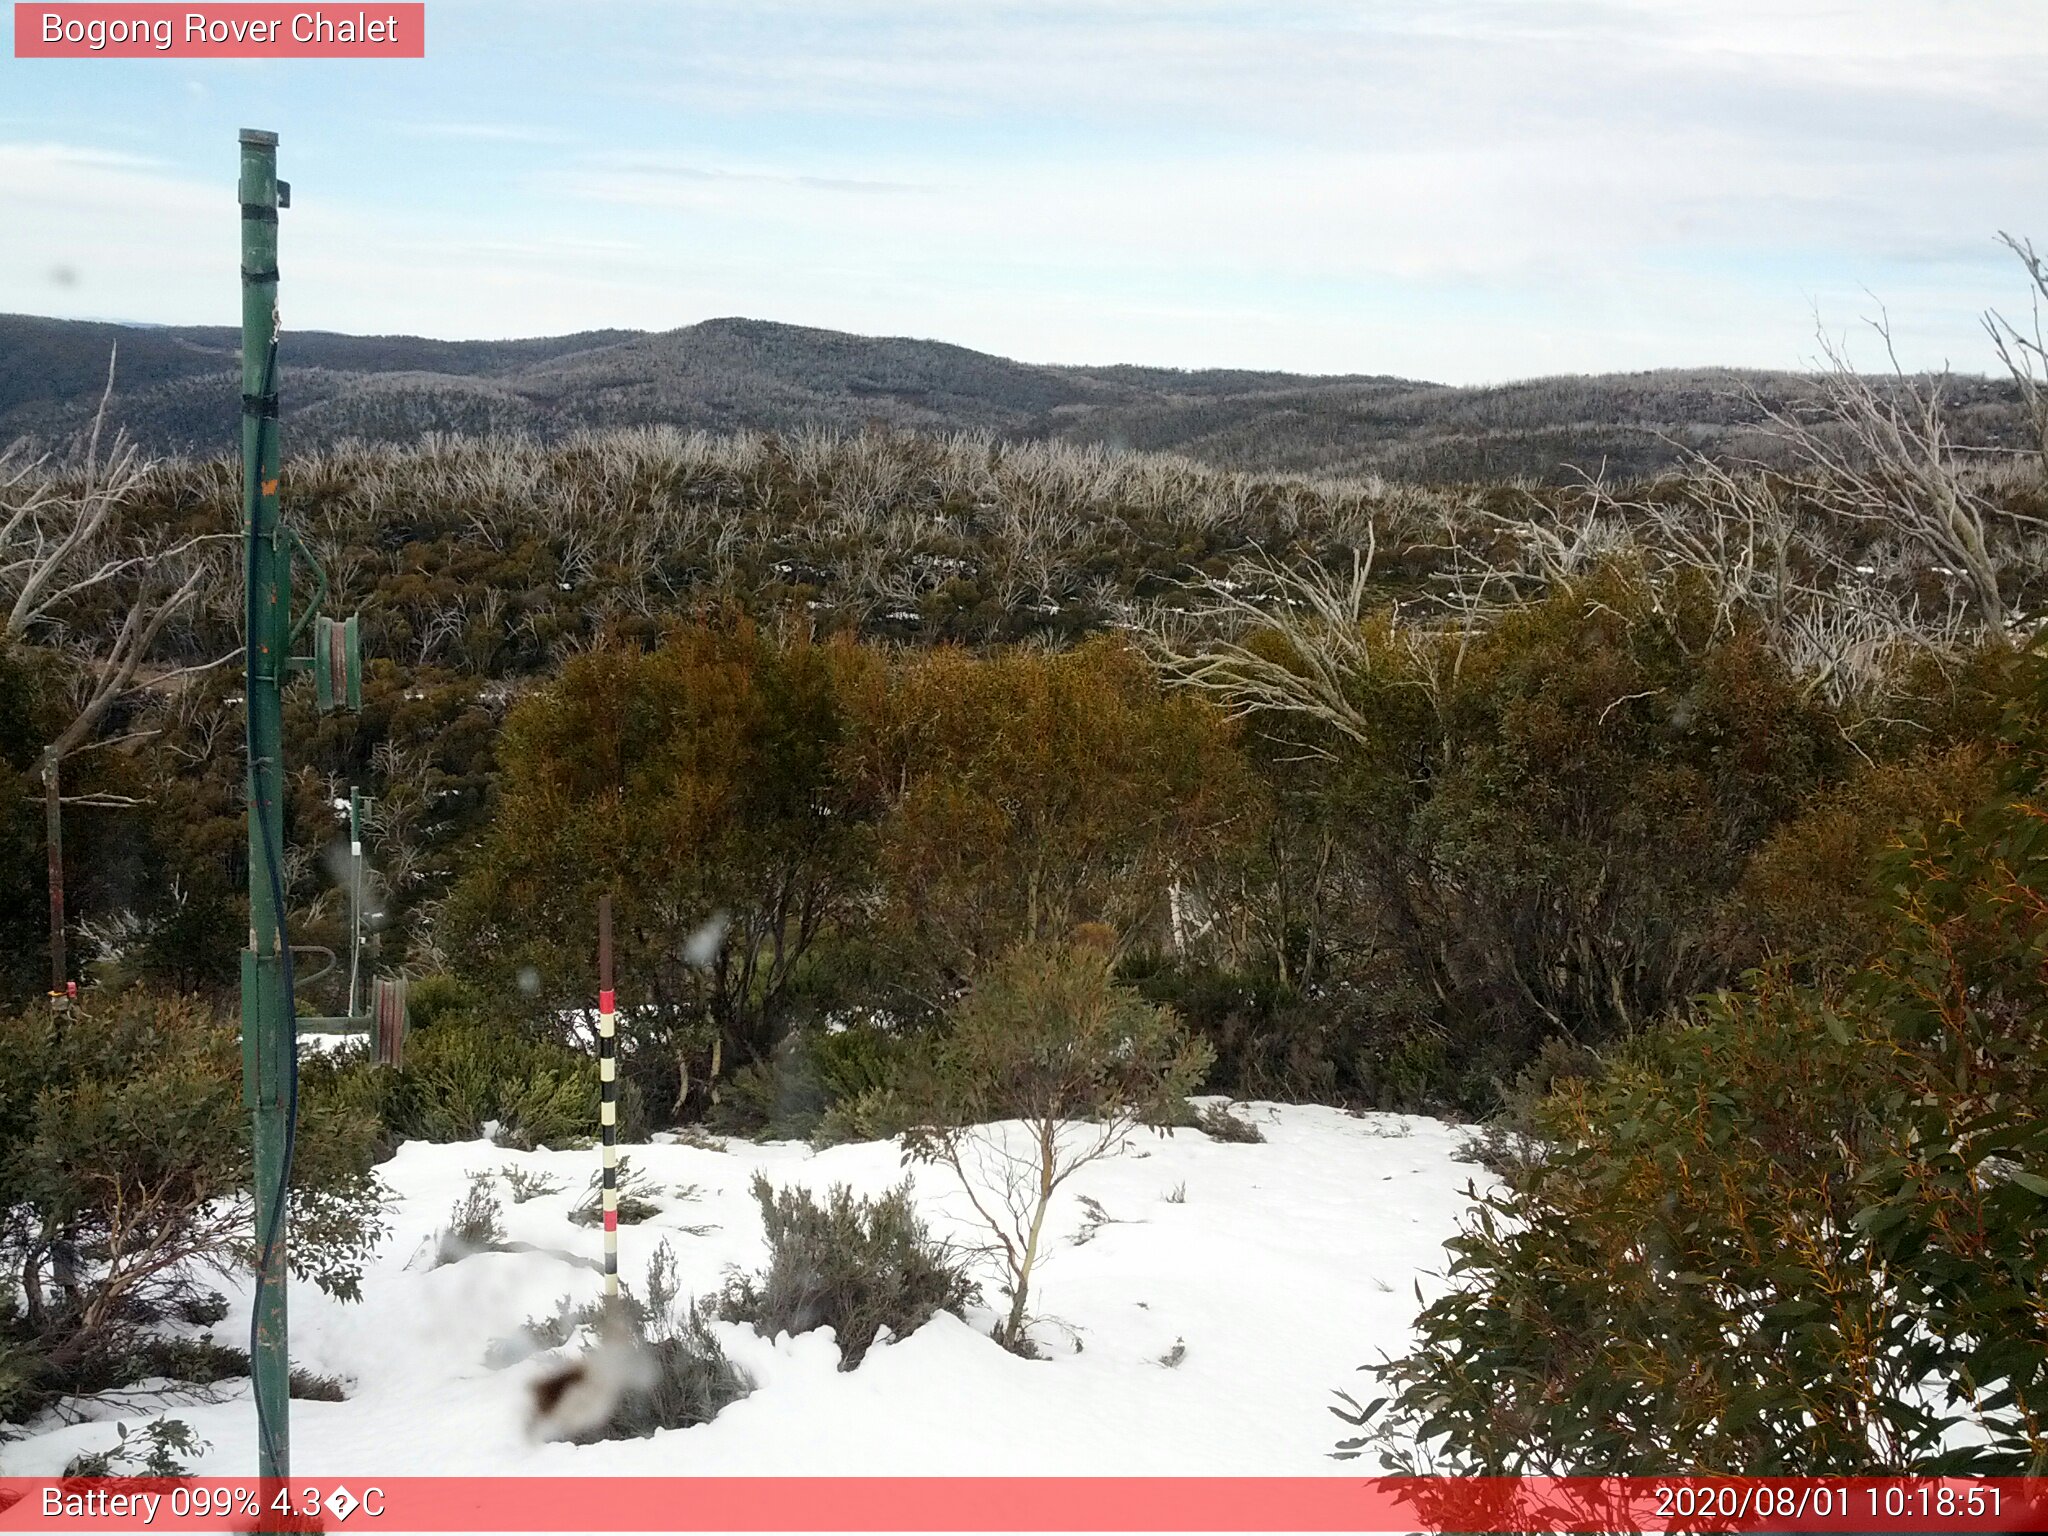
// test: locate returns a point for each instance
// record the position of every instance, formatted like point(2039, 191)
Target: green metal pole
point(269, 1033)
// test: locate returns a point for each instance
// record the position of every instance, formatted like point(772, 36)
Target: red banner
point(1735, 1504)
point(374, 31)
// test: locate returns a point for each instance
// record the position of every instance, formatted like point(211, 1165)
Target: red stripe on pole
point(611, 1221)
point(1053, 1504)
point(604, 1002)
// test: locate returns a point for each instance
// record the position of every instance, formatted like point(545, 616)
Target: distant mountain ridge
point(177, 389)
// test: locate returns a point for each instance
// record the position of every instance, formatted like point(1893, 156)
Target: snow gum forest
point(1123, 965)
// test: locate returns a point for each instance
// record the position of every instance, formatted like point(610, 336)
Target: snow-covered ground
point(1280, 1267)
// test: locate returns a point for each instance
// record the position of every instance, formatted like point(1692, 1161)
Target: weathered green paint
point(269, 1034)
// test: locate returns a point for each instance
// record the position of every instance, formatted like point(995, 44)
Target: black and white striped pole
point(608, 1094)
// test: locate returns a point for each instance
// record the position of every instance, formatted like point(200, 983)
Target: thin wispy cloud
point(489, 133)
point(634, 179)
point(1458, 189)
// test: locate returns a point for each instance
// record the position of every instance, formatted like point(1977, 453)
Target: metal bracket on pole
point(387, 1023)
point(337, 665)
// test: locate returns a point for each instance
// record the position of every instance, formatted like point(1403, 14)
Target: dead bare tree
point(1320, 618)
point(1837, 621)
point(1883, 453)
point(63, 544)
point(2025, 352)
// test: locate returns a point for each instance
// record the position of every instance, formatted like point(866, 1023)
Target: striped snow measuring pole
point(608, 1094)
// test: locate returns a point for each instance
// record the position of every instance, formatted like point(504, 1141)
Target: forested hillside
point(491, 572)
point(176, 391)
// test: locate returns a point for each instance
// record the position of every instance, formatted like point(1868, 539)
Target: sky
point(1460, 190)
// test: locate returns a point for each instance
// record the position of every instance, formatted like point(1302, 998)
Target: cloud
point(638, 179)
point(486, 133)
point(1447, 188)
point(1323, 68)
point(31, 163)
point(85, 210)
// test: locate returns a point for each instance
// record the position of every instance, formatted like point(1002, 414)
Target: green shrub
point(1804, 1232)
point(879, 1114)
point(707, 778)
point(468, 1077)
point(159, 1450)
point(312, 1387)
point(1483, 838)
point(202, 1362)
point(124, 1146)
point(1047, 1037)
point(204, 1310)
point(556, 1328)
point(430, 999)
point(1218, 1123)
point(527, 1186)
point(855, 1266)
point(1806, 894)
point(812, 1080)
point(475, 1224)
point(666, 1365)
point(21, 1371)
point(354, 1086)
point(1510, 1138)
point(198, 1362)
point(1030, 792)
point(1658, 1292)
point(692, 1380)
point(462, 1075)
point(851, 1062)
point(1265, 1046)
point(632, 1202)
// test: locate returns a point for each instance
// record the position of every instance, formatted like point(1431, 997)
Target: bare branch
point(1323, 625)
